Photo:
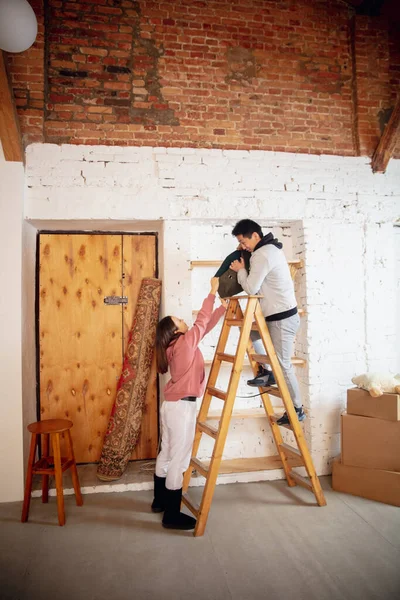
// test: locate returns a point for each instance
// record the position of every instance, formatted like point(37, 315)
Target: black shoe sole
point(263, 385)
point(180, 527)
point(157, 509)
point(288, 422)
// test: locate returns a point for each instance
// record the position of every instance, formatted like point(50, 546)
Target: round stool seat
point(50, 426)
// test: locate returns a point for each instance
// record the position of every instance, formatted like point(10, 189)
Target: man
point(270, 276)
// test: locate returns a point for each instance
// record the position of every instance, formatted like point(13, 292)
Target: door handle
point(113, 300)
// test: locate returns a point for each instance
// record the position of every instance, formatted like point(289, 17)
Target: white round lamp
point(18, 25)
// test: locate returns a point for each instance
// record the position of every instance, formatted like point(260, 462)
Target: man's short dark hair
point(246, 228)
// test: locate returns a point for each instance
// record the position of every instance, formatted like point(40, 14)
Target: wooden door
point(82, 340)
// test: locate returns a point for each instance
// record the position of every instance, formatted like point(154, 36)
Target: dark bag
point(228, 283)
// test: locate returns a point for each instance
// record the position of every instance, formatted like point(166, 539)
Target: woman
point(177, 349)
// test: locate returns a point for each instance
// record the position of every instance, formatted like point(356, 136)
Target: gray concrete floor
point(263, 540)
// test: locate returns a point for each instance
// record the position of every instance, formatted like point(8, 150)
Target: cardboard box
point(370, 443)
point(375, 484)
point(359, 402)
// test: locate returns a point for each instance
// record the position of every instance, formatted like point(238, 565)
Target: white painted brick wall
point(397, 278)
point(331, 211)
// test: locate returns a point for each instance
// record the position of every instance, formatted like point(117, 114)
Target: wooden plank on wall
point(387, 142)
point(9, 126)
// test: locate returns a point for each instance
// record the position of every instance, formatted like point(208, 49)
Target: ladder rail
point(289, 407)
point(219, 444)
point(212, 379)
point(270, 412)
point(276, 432)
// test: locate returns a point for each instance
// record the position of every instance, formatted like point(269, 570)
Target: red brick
point(179, 56)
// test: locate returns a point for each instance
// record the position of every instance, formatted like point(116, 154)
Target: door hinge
point(113, 300)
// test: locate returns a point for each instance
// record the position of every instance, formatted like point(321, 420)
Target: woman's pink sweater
point(186, 362)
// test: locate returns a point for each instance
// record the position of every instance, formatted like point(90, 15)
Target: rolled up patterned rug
point(126, 416)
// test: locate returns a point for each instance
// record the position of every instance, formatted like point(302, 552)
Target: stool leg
point(45, 478)
point(74, 470)
point(58, 477)
point(29, 476)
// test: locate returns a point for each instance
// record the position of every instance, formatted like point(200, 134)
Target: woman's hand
point(214, 285)
point(225, 303)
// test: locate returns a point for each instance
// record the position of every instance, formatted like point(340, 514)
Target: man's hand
point(237, 265)
point(214, 285)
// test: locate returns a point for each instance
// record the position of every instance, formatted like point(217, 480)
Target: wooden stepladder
point(251, 319)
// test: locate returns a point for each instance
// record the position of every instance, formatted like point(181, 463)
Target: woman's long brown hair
point(165, 334)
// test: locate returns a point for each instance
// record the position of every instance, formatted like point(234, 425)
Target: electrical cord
point(147, 466)
point(254, 396)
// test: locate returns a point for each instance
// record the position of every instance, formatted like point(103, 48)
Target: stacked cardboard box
point(369, 464)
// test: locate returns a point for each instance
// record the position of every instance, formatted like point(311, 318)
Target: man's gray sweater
point(270, 276)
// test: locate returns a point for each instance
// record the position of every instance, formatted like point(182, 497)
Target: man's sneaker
point(284, 420)
point(264, 378)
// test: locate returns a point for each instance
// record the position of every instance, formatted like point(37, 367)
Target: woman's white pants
point(178, 424)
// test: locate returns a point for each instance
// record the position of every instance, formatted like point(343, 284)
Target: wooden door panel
point(139, 260)
point(80, 336)
point(82, 340)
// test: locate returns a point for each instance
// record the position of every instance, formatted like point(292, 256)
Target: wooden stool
point(51, 465)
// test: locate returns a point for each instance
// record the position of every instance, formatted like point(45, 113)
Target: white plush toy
point(378, 383)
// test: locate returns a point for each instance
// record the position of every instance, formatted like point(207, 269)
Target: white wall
point(397, 259)
point(332, 211)
point(11, 200)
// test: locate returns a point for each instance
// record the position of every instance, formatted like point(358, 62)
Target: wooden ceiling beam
point(387, 143)
point(353, 3)
point(367, 7)
point(9, 126)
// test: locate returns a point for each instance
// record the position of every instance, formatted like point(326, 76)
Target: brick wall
point(28, 80)
point(238, 74)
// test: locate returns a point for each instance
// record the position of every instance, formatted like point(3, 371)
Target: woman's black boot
point(173, 518)
point(158, 504)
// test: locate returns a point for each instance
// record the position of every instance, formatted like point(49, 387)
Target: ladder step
point(272, 391)
point(216, 393)
point(194, 508)
point(275, 418)
point(300, 480)
point(199, 466)
point(289, 450)
point(257, 463)
point(252, 413)
point(300, 362)
point(208, 429)
point(226, 357)
point(263, 358)
point(234, 322)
